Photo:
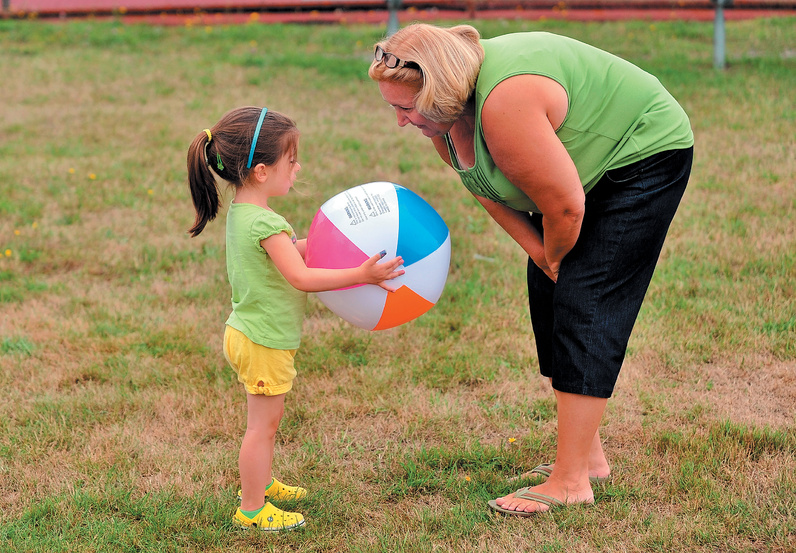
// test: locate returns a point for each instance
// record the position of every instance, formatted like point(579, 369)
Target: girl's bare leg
point(257, 449)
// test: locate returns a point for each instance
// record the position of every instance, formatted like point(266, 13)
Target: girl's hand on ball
point(378, 273)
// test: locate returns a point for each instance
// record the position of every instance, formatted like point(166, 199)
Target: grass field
point(120, 423)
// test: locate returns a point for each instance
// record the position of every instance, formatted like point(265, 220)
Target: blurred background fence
point(466, 8)
point(208, 12)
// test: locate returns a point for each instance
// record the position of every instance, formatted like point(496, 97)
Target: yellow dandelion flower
point(467, 478)
point(17, 232)
point(92, 176)
point(35, 224)
point(8, 253)
point(150, 191)
point(512, 440)
point(71, 170)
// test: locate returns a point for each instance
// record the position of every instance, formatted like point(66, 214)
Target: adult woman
point(582, 158)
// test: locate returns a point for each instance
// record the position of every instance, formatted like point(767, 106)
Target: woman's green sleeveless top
point(617, 114)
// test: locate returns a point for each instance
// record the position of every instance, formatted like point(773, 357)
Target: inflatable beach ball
point(362, 221)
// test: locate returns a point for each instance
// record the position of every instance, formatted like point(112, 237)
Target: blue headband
point(256, 136)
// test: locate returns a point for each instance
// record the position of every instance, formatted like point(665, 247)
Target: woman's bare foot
point(551, 496)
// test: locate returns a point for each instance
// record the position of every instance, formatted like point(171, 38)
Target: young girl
point(255, 151)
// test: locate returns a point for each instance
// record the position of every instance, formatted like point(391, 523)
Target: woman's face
point(401, 98)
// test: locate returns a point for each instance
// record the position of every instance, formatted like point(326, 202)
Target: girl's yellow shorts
point(262, 370)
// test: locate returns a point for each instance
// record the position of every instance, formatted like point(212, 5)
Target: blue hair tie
point(256, 136)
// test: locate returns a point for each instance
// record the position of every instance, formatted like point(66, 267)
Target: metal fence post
point(719, 37)
point(392, 22)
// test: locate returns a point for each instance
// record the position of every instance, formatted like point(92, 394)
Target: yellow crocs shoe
point(278, 491)
point(269, 519)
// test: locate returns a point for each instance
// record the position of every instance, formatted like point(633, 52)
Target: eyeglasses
point(391, 60)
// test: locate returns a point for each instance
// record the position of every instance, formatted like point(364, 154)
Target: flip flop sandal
point(546, 470)
point(526, 493)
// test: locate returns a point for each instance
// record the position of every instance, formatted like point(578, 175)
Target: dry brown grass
point(120, 424)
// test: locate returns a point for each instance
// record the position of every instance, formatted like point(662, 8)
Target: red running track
point(212, 12)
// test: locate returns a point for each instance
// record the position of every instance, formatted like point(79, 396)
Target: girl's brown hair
point(225, 154)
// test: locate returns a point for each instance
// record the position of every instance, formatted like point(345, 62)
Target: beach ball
point(360, 222)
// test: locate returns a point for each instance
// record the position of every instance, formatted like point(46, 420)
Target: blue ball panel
point(420, 228)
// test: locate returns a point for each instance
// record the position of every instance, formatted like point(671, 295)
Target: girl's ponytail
point(204, 190)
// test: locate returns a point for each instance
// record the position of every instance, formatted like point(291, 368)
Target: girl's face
point(402, 99)
point(283, 174)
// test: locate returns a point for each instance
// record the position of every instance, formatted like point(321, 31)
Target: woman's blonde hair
point(449, 59)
